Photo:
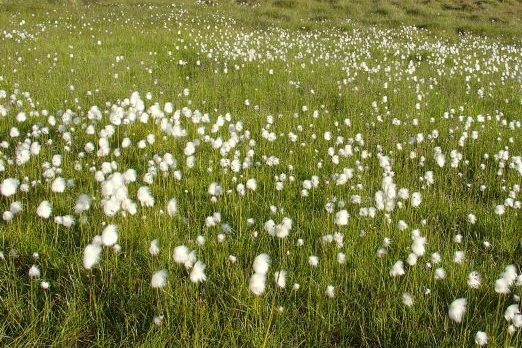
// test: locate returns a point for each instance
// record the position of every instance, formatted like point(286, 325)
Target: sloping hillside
point(489, 17)
point(446, 17)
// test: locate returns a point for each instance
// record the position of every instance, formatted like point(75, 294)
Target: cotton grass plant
point(168, 174)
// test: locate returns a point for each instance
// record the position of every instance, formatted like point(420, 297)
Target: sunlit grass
point(309, 84)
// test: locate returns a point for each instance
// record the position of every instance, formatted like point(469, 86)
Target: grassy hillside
point(337, 183)
point(492, 17)
point(446, 17)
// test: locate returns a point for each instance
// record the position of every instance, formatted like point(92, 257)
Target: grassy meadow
point(260, 173)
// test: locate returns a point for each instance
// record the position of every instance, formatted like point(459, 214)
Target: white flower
point(511, 312)
point(214, 189)
point(251, 184)
point(440, 273)
point(91, 255)
point(159, 279)
point(34, 271)
point(190, 149)
point(341, 218)
point(83, 203)
point(417, 246)
point(481, 338)
point(183, 255)
point(397, 269)
point(58, 185)
point(110, 235)
point(510, 274)
point(457, 309)
point(158, 320)
point(407, 299)
point(66, 220)
point(440, 159)
point(44, 210)
point(257, 283)
point(313, 261)
point(7, 216)
point(283, 229)
point(8, 187)
point(517, 320)
point(416, 199)
point(402, 225)
point(412, 259)
point(502, 286)
point(154, 247)
point(200, 240)
point(330, 291)
point(435, 258)
point(261, 263)
point(145, 197)
point(280, 278)
point(474, 280)
point(403, 193)
point(270, 227)
point(459, 257)
point(172, 207)
point(16, 207)
point(197, 274)
point(500, 210)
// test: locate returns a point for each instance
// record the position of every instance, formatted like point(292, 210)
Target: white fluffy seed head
point(197, 274)
point(44, 210)
point(511, 311)
point(481, 338)
point(34, 271)
point(502, 286)
point(407, 299)
point(154, 247)
point(397, 269)
point(83, 203)
point(330, 291)
point(341, 218)
point(313, 261)
point(257, 283)
point(457, 309)
point(91, 255)
point(181, 254)
point(474, 280)
point(172, 207)
point(416, 199)
point(159, 279)
point(110, 235)
point(145, 197)
point(280, 278)
point(58, 185)
point(261, 263)
point(8, 187)
point(417, 246)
